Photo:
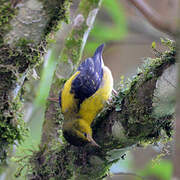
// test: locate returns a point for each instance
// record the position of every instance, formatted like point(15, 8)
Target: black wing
point(89, 79)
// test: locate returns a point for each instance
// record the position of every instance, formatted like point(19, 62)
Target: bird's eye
point(85, 134)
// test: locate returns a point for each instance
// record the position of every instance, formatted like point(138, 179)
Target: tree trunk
point(26, 27)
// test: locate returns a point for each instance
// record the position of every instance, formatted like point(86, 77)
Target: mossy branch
point(24, 34)
point(145, 107)
point(142, 113)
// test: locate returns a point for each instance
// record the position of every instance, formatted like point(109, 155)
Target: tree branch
point(153, 17)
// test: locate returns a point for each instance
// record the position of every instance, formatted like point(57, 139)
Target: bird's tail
point(98, 55)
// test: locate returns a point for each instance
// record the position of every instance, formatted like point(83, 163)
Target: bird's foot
point(110, 100)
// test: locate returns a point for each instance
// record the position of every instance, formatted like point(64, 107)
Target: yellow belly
point(91, 106)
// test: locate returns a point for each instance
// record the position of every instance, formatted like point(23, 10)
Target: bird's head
point(78, 133)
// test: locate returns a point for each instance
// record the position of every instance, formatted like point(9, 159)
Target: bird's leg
point(110, 100)
point(53, 99)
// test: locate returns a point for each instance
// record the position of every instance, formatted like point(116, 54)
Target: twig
point(153, 17)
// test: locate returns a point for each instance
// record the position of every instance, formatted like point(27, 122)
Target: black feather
point(89, 79)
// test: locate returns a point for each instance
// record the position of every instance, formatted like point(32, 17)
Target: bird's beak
point(92, 141)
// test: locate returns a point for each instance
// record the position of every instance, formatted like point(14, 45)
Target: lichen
point(57, 12)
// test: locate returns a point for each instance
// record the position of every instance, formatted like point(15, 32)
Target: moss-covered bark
point(128, 121)
point(24, 35)
point(133, 111)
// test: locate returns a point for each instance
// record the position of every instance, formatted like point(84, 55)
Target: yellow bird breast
point(91, 106)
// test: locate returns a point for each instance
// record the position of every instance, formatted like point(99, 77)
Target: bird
point(83, 96)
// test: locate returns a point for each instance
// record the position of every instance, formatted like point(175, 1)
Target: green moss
point(6, 14)
point(59, 118)
point(14, 62)
point(56, 163)
point(73, 45)
point(12, 126)
point(64, 163)
point(72, 49)
point(64, 57)
point(85, 5)
point(23, 56)
point(57, 11)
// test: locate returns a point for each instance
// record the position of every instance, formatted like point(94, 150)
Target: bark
point(143, 112)
point(26, 27)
